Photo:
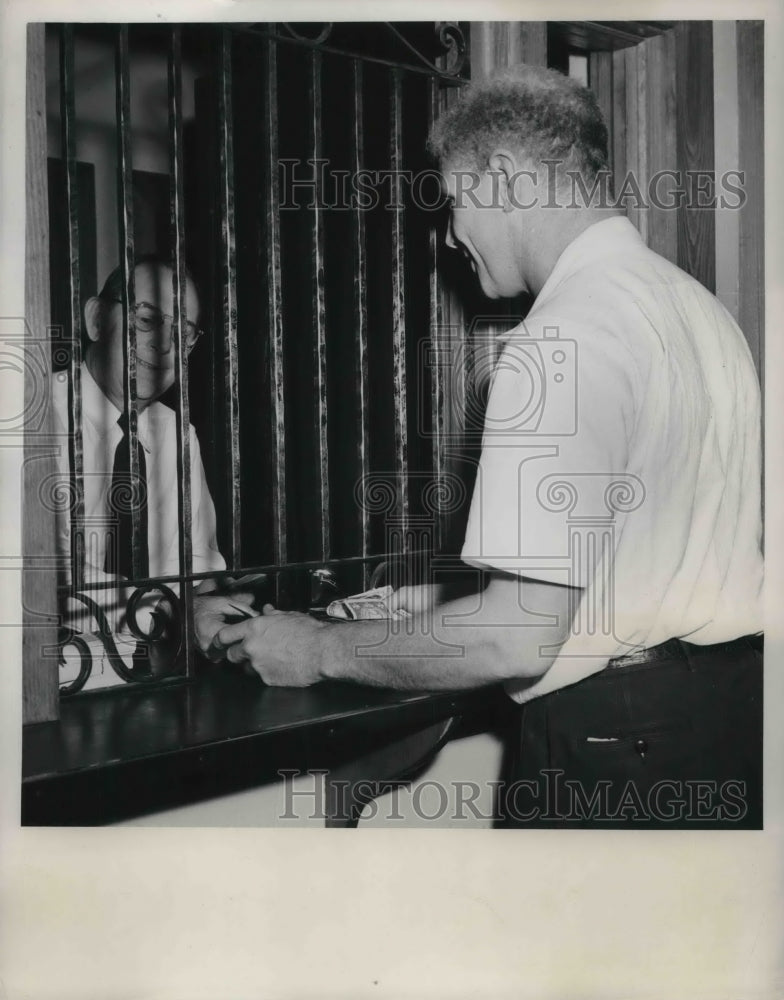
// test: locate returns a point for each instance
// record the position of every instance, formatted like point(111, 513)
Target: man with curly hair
point(616, 511)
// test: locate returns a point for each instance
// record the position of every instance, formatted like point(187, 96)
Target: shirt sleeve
point(553, 469)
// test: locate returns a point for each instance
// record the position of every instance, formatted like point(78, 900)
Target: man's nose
point(163, 343)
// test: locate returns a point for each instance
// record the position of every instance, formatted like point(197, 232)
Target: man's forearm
point(513, 629)
point(468, 642)
point(385, 654)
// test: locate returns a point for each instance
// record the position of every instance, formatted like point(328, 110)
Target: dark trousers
point(674, 741)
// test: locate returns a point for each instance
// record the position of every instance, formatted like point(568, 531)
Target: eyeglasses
point(150, 319)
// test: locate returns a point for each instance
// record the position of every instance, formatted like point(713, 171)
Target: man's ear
point(92, 317)
point(502, 163)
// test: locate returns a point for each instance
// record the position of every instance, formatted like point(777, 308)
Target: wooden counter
point(127, 752)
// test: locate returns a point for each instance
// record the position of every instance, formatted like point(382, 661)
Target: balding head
point(154, 336)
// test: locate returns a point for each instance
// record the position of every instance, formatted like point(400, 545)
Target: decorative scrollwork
point(318, 39)
point(85, 666)
point(106, 637)
point(165, 618)
point(450, 38)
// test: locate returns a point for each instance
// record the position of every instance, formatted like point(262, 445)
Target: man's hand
point(284, 647)
point(211, 614)
point(512, 630)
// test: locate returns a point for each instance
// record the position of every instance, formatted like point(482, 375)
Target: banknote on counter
point(370, 604)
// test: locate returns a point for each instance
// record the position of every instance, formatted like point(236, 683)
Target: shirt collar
point(103, 414)
point(602, 239)
point(609, 237)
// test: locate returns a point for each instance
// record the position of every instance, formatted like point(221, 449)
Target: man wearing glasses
point(107, 479)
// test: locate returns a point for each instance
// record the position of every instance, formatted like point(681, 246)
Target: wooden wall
point(695, 144)
point(690, 101)
point(497, 44)
point(654, 97)
point(39, 595)
point(751, 160)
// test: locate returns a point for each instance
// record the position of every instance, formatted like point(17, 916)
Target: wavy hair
point(539, 112)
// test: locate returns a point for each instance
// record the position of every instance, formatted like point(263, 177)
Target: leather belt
point(677, 649)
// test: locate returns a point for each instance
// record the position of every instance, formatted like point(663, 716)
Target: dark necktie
point(121, 496)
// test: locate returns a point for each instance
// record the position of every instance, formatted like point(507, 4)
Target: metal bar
point(263, 568)
point(399, 308)
point(176, 208)
point(448, 78)
point(228, 250)
point(319, 304)
point(75, 451)
point(360, 306)
point(460, 357)
point(438, 394)
point(275, 309)
point(127, 253)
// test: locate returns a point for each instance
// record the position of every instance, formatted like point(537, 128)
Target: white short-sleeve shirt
point(621, 454)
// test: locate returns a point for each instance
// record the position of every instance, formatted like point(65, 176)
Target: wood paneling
point(694, 126)
point(606, 36)
point(751, 146)
point(725, 151)
point(497, 44)
point(661, 143)
point(600, 80)
point(636, 147)
point(529, 43)
point(617, 150)
point(639, 86)
point(39, 593)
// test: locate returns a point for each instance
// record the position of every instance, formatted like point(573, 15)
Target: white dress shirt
point(621, 454)
point(157, 434)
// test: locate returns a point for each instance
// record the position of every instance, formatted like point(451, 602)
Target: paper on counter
point(369, 605)
point(102, 674)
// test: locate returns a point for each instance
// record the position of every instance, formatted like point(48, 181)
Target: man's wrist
point(331, 655)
